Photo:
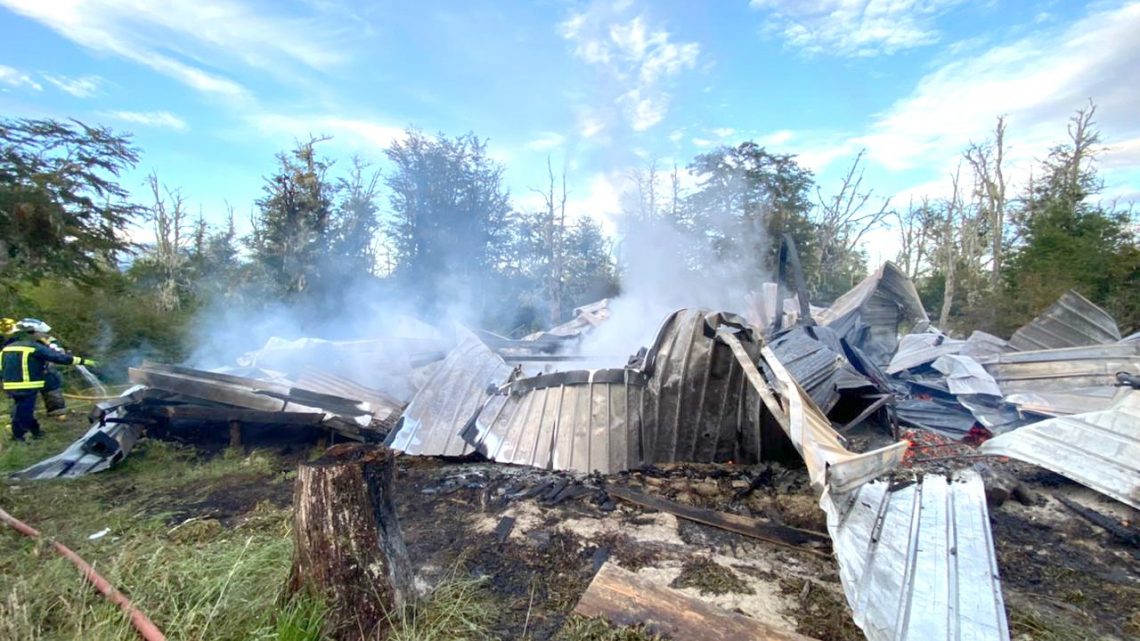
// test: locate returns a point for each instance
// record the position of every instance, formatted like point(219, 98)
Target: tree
point(842, 221)
point(172, 239)
point(290, 230)
point(1067, 240)
point(917, 228)
point(553, 234)
point(62, 211)
point(590, 272)
point(989, 189)
point(355, 223)
point(449, 223)
point(746, 198)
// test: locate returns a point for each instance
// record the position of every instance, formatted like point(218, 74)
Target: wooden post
point(348, 546)
point(235, 434)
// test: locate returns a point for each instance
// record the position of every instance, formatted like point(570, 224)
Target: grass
point(710, 578)
point(194, 578)
point(459, 608)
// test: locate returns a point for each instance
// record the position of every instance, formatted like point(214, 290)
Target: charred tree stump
point(347, 544)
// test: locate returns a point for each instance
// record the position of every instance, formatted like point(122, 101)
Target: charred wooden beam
point(747, 526)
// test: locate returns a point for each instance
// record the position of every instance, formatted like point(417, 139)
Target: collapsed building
point(787, 381)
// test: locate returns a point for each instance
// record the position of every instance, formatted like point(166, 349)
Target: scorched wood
point(348, 546)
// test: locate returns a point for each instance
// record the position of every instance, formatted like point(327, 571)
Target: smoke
point(668, 264)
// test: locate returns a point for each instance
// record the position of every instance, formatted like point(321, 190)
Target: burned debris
point(884, 414)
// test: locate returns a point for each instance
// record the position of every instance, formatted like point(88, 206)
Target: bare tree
point(989, 189)
point(950, 250)
point(917, 231)
point(845, 218)
point(553, 238)
point(171, 225)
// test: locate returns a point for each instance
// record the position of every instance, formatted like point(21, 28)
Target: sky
point(213, 89)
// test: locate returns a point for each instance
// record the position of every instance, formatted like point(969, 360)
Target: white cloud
point(16, 79)
point(1036, 82)
point(723, 132)
point(602, 201)
point(84, 87)
point(854, 27)
point(180, 38)
point(163, 119)
point(703, 143)
point(355, 133)
point(641, 59)
point(546, 141)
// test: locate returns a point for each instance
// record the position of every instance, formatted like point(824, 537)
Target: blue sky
point(212, 89)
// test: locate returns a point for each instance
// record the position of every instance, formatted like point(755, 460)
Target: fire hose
point(146, 629)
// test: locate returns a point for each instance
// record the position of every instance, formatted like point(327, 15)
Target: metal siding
point(1070, 322)
point(591, 426)
point(917, 563)
point(447, 402)
point(1097, 449)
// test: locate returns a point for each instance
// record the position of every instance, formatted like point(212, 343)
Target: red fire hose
point(146, 629)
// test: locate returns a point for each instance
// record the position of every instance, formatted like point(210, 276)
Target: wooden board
point(623, 598)
point(747, 526)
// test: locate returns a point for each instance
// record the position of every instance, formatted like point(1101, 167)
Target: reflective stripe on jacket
point(24, 363)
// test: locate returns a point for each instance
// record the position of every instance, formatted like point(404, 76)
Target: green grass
point(459, 608)
point(195, 579)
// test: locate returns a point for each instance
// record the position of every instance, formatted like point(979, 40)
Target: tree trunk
point(348, 546)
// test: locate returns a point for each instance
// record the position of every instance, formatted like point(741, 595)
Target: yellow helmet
point(7, 325)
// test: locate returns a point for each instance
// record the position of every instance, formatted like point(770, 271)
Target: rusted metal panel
point(585, 421)
point(916, 559)
point(432, 423)
point(1097, 449)
point(1072, 321)
point(873, 313)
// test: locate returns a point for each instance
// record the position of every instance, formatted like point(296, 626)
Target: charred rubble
point(889, 416)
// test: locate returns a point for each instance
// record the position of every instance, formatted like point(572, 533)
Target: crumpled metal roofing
point(1066, 402)
point(872, 314)
point(585, 421)
point(919, 349)
point(700, 408)
point(916, 559)
point(965, 375)
point(458, 387)
point(815, 358)
point(1070, 322)
point(101, 447)
point(1097, 449)
point(1058, 370)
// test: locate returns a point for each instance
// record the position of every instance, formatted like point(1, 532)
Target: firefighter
point(52, 391)
point(24, 361)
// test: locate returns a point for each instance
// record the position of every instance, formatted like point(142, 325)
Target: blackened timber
point(744, 525)
point(227, 414)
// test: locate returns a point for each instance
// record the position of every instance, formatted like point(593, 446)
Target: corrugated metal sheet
point(1064, 403)
point(101, 447)
point(700, 407)
point(1097, 449)
point(919, 349)
point(965, 375)
point(875, 311)
point(947, 418)
point(807, 429)
point(432, 422)
point(585, 421)
point(815, 359)
point(1058, 370)
point(382, 406)
point(982, 344)
point(1070, 322)
point(916, 559)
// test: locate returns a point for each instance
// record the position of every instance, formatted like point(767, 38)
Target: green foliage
point(747, 199)
point(1068, 241)
point(62, 213)
point(449, 219)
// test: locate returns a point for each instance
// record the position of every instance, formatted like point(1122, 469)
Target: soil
point(537, 538)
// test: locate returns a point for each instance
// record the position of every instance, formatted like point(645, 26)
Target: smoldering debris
point(884, 411)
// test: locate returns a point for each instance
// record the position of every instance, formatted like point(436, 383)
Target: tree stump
point(347, 543)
